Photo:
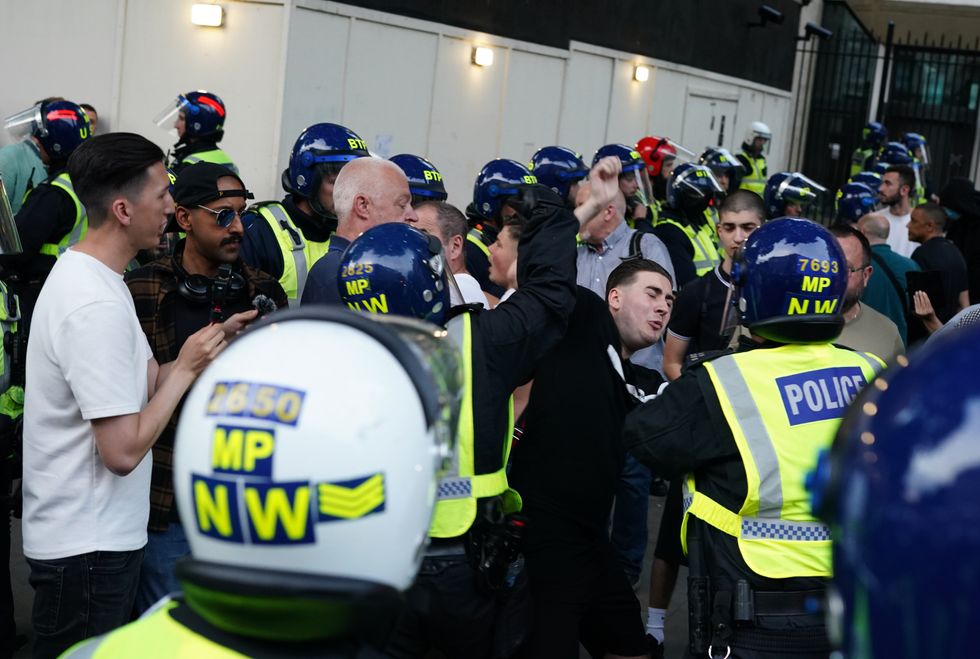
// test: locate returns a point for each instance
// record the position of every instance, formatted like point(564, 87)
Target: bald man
point(887, 291)
point(367, 192)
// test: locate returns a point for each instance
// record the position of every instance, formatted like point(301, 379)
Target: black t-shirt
point(569, 459)
point(698, 311)
point(942, 255)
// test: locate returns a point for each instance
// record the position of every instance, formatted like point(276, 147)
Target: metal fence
point(909, 84)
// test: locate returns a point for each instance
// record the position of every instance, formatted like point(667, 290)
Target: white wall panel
point(388, 90)
point(532, 103)
point(629, 109)
point(585, 102)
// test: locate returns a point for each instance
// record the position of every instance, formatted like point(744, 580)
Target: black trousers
point(447, 611)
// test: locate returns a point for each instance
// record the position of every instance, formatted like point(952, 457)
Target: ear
point(183, 217)
point(120, 211)
point(614, 300)
point(455, 247)
point(361, 205)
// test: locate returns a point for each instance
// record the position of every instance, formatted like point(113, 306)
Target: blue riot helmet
point(424, 180)
point(320, 150)
point(895, 153)
point(691, 188)
point(790, 193)
point(724, 166)
point(790, 277)
point(874, 135)
point(870, 179)
point(854, 201)
point(203, 112)
point(900, 489)
point(394, 268)
point(558, 168)
point(634, 182)
point(60, 127)
point(499, 180)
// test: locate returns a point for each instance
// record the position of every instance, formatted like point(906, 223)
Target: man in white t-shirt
point(96, 401)
point(897, 184)
point(448, 224)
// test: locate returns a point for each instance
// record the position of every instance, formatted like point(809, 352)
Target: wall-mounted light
point(207, 15)
point(641, 73)
point(482, 56)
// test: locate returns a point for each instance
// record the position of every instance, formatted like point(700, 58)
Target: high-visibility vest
point(217, 156)
point(860, 160)
point(783, 406)
point(706, 255)
point(79, 227)
point(298, 254)
point(156, 634)
point(459, 488)
point(755, 179)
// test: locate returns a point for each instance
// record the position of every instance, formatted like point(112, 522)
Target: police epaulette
point(698, 359)
point(460, 309)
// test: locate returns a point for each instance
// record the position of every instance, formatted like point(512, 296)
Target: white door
point(708, 122)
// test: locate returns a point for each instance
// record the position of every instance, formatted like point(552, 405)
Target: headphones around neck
point(198, 288)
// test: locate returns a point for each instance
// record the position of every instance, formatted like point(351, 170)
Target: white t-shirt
point(469, 287)
point(87, 359)
point(898, 233)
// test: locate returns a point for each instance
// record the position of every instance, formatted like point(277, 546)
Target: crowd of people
point(650, 322)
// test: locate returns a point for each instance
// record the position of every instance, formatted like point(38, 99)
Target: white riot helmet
point(306, 461)
point(758, 130)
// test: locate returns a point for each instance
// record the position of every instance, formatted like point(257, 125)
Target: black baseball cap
point(198, 184)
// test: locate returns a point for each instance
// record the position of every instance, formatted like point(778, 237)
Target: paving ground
point(676, 615)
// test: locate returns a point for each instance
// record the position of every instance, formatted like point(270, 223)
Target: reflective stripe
point(875, 363)
point(476, 238)
point(216, 156)
point(298, 251)
point(760, 444)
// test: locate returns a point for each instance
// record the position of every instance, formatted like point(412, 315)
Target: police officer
point(634, 182)
point(790, 194)
point(305, 521)
point(753, 158)
point(286, 238)
point(854, 201)
point(864, 158)
point(24, 164)
point(495, 185)
point(424, 180)
point(919, 149)
point(683, 225)
point(743, 430)
point(470, 600)
point(200, 124)
point(728, 171)
point(900, 490)
point(561, 169)
point(52, 218)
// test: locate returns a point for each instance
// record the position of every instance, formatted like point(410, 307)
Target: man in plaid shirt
point(174, 297)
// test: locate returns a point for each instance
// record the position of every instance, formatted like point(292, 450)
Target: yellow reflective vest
point(298, 254)
point(154, 635)
point(79, 227)
point(755, 178)
point(217, 156)
point(706, 255)
point(459, 488)
point(783, 406)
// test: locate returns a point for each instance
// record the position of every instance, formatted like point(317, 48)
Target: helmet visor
point(699, 183)
point(679, 156)
point(800, 189)
point(921, 153)
point(9, 238)
point(165, 118)
point(635, 185)
point(25, 122)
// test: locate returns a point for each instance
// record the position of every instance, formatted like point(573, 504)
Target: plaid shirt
point(154, 291)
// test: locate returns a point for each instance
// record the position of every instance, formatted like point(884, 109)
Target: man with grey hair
point(368, 192)
point(887, 290)
point(447, 223)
